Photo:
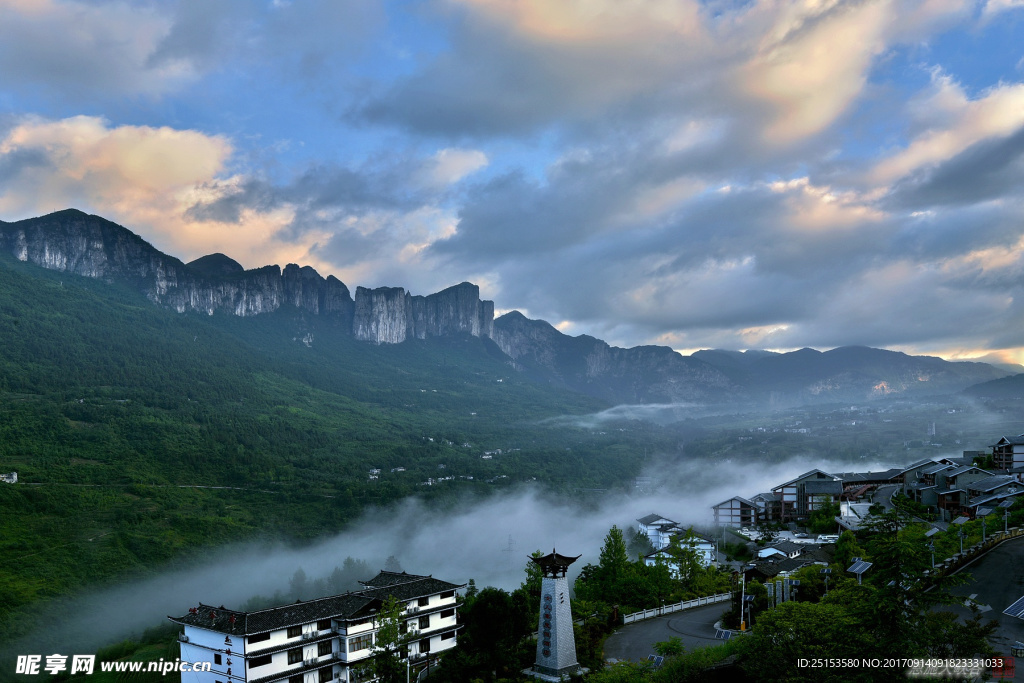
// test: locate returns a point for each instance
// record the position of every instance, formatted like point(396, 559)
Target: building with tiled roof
point(321, 640)
point(1008, 452)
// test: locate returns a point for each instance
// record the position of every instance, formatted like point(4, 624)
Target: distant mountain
point(74, 242)
point(643, 374)
point(657, 374)
point(1003, 388)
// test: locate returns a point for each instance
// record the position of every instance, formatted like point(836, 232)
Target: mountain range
point(93, 247)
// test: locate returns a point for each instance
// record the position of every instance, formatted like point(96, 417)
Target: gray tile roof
point(351, 606)
point(833, 487)
point(989, 483)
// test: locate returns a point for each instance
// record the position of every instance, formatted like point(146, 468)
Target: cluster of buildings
point(952, 486)
point(322, 640)
point(660, 530)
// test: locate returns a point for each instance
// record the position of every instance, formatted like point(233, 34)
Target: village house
point(321, 640)
point(736, 512)
point(809, 492)
point(1008, 452)
point(702, 545)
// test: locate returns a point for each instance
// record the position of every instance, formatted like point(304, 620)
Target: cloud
point(947, 123)
point(476, 533)
point(451, 165)
point(85, 50)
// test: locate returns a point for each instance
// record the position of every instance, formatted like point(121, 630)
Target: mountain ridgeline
point(90, 246)
point(73, 242)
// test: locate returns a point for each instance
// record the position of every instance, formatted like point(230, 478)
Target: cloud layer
point(697, 174)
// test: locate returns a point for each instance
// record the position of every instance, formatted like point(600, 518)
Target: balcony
point(309, 634)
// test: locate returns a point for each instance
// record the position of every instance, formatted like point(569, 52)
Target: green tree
point(823, 520)
point(639, 544)
point(389, 651)
point(847, 548)
point(684, 558)
point(614, 558)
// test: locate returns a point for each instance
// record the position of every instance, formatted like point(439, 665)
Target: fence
point(676, 607)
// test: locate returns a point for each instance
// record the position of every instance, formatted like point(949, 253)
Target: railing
point(309, 634)
point(676, 607)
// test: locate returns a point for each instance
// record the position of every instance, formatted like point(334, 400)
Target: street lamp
point(931, 548)
point(983, 520)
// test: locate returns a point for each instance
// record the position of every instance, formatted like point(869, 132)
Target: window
point(447, 613)
point(259, 638)
point(425, 645)
point(425, 622)
point(447, 594)
point(360, 643)
point(323, 625)
point(260, 661)
point(294, 631)
point(216, 659)
point(295, 656)
point(326, 674)
point(296, 679)
point(423, 602)
point(448, 636)
point(323, 648)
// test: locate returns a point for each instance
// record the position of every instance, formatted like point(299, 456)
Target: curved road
point(695, 627)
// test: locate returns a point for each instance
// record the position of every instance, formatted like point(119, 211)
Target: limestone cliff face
point(382, 315)
point(389, 315)
point(74, 242)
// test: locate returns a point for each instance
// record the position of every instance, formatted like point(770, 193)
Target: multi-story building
point(1008, 452)
point(809, 492)
point(316, 641)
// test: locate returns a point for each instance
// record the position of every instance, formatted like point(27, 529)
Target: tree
point(392, 565)
point(639, 544)
point(847, 548)
point(687, 562)
point(823, 520)
point(614, 556)
point(389, 651)
point(298, 584)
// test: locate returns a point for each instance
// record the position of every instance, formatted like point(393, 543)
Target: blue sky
point(696, 174)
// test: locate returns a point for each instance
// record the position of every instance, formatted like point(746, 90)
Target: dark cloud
point(988, 169)
point(17, 161)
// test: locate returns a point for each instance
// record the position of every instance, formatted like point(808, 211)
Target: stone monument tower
point(556, 646)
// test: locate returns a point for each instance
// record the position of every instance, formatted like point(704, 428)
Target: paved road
point(998, 581)
point(695, 627)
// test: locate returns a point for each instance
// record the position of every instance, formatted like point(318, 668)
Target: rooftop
point(344, 607)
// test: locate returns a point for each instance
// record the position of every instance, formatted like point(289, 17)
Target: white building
point(316, 641)
point(703, 546)
point(658, 529)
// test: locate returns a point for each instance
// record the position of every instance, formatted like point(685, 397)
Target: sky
point(716, 174)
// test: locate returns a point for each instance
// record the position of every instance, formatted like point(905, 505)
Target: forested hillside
point(121, 418)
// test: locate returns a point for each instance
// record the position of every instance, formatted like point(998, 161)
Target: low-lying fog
point(486, 539)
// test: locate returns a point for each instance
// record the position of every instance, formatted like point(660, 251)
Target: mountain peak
point(216, 265)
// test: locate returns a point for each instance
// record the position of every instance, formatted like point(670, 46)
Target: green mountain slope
point(120, 417)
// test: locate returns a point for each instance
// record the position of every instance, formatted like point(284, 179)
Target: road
point(998, 582)
point(695, 627)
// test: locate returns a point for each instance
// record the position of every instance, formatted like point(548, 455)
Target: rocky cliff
point(74, 242)
point(389, 315)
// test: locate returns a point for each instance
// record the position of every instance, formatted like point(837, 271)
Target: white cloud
point(451, 165)
point(950, 122)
